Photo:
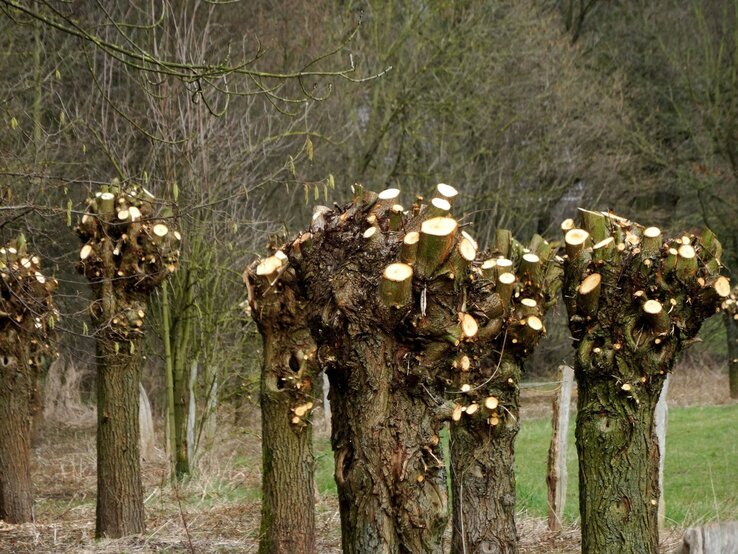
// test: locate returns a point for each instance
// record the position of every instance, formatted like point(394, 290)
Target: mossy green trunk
point(632, 310)
point(483, 475)
point(120, 509)
point(16, 389)
point(618, 467)
point(389, 466)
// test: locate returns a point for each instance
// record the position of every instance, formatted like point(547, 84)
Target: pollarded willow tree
point(513, 289)
point(400, 311)
point(277, 305)
point(127, 252)
point(635, 301)
point(27, 318)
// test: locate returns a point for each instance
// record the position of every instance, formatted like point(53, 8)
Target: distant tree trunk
point(286, 397)
point(126, 253)
point(26, 320)
point(635, 301)
point(120, 509)
point(16, 383)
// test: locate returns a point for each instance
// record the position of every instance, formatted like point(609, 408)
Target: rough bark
point(126, 253)
point(120, 510)
point(510, 294)
point(390, 336)
point(16, 498)
point(651, 302)
point(483, 474)
point(26, 323)
point(287, 397)
point(384, 346)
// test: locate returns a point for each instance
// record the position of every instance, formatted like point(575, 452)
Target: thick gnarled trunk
point(618, 468)
point(635, 301)
point(389, 466)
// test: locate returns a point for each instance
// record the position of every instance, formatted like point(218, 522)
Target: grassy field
point(700, 476)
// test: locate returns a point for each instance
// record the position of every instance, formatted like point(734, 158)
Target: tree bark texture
point(287, 398)
point(126, 253)
point(16, 497)
point(650, 300)
point(485, 379)
point(395, 299)
point(26, 323)
point(120, 509)
point(483, 474)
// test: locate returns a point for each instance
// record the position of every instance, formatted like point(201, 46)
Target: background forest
point(241, 116)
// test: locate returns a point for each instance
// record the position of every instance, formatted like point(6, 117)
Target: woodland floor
point(218, 511)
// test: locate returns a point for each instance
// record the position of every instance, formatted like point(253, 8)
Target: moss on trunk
point(651, 302)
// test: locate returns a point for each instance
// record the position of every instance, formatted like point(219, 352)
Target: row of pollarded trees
point(414, 329)
point(127, 251)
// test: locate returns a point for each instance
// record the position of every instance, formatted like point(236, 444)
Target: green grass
point(700, 476)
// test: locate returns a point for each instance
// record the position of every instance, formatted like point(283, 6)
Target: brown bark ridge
point(27, 318)
point(629, 326)
point(288, 380)
point(126, 253)
point(509, 294)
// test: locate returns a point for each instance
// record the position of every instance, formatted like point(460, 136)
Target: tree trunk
point(618, 467)
point(119, 234)
point(120, 509)
point(287, 399)
point(389, 466)
point(483, 475)
point(731, 328)
point(635, 301)
point(16, 383)
point(288, 490)
point(26, 320)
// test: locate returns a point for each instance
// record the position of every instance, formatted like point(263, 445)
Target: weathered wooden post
point(557, 476)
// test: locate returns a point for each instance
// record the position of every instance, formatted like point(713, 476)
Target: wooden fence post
point(557, 474)
point(660, 419)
